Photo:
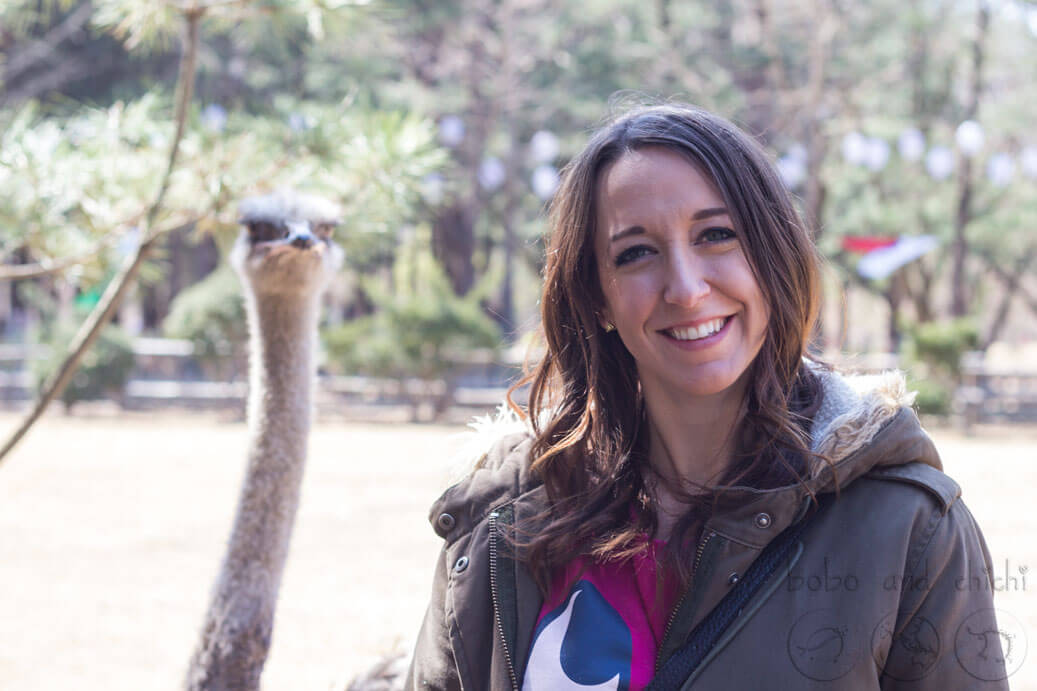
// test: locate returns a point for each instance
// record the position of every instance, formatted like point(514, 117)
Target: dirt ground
point(111, 529)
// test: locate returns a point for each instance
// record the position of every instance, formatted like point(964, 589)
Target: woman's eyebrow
point(697, 216)
point(708, 213)
point(632, 230)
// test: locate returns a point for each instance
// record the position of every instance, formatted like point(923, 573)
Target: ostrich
point(285, 259)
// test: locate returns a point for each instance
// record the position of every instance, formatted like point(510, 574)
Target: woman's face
point(676, 282)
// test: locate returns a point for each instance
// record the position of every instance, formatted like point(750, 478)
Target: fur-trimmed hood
point(864, 424)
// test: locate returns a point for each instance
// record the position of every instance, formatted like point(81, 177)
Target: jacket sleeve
point(433, 668)
point(946, 635)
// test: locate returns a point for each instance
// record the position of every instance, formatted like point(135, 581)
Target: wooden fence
point(166, 375)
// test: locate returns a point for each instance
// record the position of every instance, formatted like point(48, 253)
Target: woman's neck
point(691, 443)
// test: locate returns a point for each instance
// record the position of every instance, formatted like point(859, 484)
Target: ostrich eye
point(324, 230)
point(262, 231)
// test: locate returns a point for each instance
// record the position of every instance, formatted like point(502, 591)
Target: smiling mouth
point(695, 333)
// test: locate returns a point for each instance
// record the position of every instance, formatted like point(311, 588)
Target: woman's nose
point(686, 283)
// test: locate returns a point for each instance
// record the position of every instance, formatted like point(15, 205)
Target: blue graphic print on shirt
point(582, 644)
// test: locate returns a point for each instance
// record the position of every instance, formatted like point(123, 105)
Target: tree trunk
point(922, 297)
point(893, 296)
point(959, 281)
point(509, 106)
point(1011, 290)
point(453, 244)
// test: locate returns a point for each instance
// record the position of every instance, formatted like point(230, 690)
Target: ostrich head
point(285, 247)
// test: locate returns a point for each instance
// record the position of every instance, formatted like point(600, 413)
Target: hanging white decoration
point(300, 123)
point(545, 181)
point(969, 137)
point(876, 154)
point(793, 170)
point(1000, 169)
point(451, 130)
point(855, 147)
point(543, 147)
point(214, 117)
point(911, 144)
point(940, 162)
point(491, 173)
point(1028, 162)
point(432, 188)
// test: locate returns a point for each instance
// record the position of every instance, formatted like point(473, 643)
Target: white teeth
point(693, 333)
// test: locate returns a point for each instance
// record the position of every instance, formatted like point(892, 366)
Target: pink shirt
point(601, 625)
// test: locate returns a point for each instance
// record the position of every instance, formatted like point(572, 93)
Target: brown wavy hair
point(585, 401)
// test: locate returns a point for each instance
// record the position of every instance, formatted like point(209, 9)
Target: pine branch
point(125, 279)
point(43, 49)
point(47, 267)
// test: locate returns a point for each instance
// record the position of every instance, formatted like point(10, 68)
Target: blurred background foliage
point(441, 127)
point(105, 368)
point(933, 353)
point(211, 314)
point(419, 328)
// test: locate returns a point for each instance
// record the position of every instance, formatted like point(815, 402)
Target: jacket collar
point(864, 422)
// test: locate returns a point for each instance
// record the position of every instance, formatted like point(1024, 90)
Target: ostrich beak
point(299, 235)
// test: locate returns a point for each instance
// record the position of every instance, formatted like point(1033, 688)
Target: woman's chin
point(704, 385)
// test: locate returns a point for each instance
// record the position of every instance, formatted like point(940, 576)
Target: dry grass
point(111, 529)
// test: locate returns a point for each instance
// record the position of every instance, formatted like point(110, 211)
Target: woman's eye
point(717, 234)
point(632, 253)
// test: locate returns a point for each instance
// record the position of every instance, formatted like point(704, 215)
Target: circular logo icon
point(990, 644)
point(823, 646)
point(908, 655)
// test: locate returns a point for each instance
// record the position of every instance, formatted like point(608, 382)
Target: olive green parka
point(890, 586)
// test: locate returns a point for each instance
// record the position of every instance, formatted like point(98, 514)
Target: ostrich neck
point(239, 623)
point(283, 330)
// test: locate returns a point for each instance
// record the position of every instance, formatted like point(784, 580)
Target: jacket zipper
point(496, 600)
point(684, 596)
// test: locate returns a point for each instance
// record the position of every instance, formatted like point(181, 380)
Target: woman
point(693, 502)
